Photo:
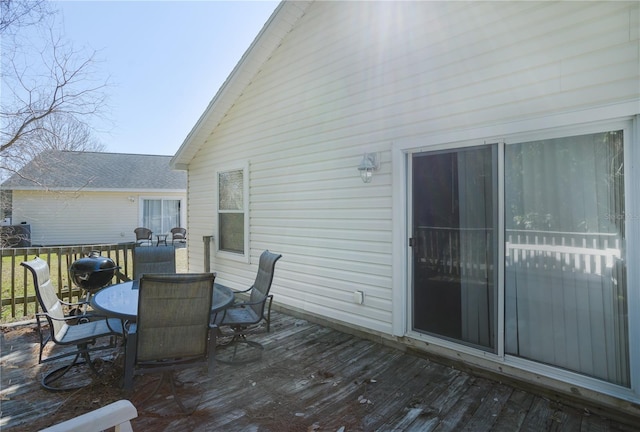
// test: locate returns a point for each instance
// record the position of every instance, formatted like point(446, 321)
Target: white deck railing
point(468, 251)
point(564, 258)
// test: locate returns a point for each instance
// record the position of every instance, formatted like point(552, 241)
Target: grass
point(17, 283)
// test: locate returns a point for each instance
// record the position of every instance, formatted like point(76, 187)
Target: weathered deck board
point(311, 378)
point(514, 411)
point(491, 404)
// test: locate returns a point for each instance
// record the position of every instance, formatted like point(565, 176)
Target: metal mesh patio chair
point(172, 331)
point(82, 331)
point(160, 259)
point(244, 316)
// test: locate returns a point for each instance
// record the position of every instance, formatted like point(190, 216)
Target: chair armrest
point(243, 291)
point(215, 319)
point(130, 328)
point(78, 303)
point(71, 317)
point(248, 303)
point(51, 317)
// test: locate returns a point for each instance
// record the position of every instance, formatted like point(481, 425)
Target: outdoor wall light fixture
point(370, 163)
point(132, 199)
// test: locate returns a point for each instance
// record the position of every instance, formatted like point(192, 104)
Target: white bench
point(117, 414)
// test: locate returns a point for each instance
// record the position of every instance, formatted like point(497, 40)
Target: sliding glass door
point(160, 215)
point(566, 294)
point(563, 239)
point(454, 221)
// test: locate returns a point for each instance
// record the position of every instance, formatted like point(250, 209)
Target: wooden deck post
point(207, 252)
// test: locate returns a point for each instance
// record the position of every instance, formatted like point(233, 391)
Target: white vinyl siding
point(65, 218)
point(356, 77)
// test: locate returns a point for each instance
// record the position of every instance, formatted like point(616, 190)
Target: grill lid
point(92, 272)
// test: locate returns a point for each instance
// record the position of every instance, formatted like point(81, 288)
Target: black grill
point(92, 272)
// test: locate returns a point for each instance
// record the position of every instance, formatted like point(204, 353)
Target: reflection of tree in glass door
point(565, 284)
point(454, 253)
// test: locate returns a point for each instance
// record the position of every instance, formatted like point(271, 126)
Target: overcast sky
point(165, 61)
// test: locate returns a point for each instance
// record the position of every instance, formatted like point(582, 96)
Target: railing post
point(207, 252)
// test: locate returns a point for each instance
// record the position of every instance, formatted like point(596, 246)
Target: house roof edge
point(279, 24)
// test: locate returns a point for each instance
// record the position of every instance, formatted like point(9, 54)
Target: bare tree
point(15, 14)
point(50, 93)
point(58, 131)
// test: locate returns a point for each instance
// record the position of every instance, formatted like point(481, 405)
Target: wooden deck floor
point(311, 378)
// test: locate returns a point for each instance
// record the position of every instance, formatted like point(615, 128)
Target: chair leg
point(168, 377)
point(251, 352)
point(268, 319)
point(172, 383)
point(43, 340)
point(152, 393)
point(129, 360)
point(87, 360)
point(52, 377)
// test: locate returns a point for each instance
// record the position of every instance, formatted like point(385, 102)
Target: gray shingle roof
point(72, 170)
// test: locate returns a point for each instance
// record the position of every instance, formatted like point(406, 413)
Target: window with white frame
point(233, 219)
point(160, 215)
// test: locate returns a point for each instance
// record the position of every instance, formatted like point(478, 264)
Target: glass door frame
point(402, 201)
point(496, 151)
point(446, 343)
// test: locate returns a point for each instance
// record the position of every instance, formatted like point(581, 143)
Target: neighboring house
point(69, 197)
point(504, 202)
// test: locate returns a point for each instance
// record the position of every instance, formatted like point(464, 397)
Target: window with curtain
point(232, 216)
point(160, 215)
point(565, 287)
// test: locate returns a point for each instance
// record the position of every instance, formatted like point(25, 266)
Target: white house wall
point(65, 218)
point(355, 77)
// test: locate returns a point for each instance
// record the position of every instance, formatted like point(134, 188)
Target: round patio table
point(121, 300)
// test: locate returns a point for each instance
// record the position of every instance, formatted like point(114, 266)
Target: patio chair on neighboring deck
point(143, 235)
point(173, 330)
point(82, 331)
point(243, 317)
point(178, 235)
